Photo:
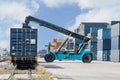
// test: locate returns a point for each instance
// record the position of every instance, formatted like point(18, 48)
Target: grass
point(40, 70)
point(15, 78)
point(44, 74)
point(2, 71)
point(44, 77)
point(21, 72)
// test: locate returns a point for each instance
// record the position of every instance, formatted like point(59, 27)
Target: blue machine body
point(69, 55)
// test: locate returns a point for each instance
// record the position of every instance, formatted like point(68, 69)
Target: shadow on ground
point(52, 66)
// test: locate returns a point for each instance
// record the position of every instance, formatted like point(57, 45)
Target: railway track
point(30, 74)
point(12, 74)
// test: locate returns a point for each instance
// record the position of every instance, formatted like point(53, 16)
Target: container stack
point(115, 42)
point(92, 44)
point(103, 44)
point(55, 44)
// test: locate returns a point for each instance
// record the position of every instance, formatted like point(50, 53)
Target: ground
point(76, 70)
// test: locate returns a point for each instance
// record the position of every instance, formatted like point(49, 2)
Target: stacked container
point(92, 44)
point(55, 44)
point(115, 42)
point(104, 44)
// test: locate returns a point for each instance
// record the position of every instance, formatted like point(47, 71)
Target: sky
point(65, 13)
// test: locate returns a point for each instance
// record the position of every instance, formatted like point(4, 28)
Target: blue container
point(106, 55)
point(93, 47)
point(93, 37)
point(103, 55)
point(90, 27)
point(114, 22)
point(23, 42)
point(115, 42)
point(104, 44)
point(104, 33)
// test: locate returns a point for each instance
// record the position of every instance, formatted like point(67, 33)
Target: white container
point(115, 30)
point(100, 55)
point(115, 55)
point(104, 33)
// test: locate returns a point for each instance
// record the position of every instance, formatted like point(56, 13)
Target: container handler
point(82, 53)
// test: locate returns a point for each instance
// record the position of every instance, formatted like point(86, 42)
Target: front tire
point(87, 58)
point(49, 57)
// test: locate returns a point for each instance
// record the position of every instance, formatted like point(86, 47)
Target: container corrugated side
point(23, 42)
point(99, 44)
point(115, 30)
point(115, 42)
point(100, 34)
point(100, 55)
point(104, 44)
point(104, 33)
point(115, 55)
point(106, 55)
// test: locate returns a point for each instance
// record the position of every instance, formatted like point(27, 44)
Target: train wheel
point(49, 57)
point(87, 58)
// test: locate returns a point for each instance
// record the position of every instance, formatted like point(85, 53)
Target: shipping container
point(60, 40)
point(100, 55)
point(104, 44)
point(93, 47)
point(88, 27)
point(115, 55)
point(106, 55)
point(23, 43)
point(54, 40)
point(104, 33)
point(115, 30)
point(92, 36)
point(103, 55)
point(115, 42)
point(114, 22)
point(99, 44)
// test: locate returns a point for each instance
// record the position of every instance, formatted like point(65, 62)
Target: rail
point(30, 74)
point(12, 73)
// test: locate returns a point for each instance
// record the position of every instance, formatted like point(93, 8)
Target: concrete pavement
point(76, 70)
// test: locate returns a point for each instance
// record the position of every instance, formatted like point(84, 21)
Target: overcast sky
point(65, 13)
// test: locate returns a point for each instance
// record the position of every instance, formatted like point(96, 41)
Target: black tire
point(87, 58)
point(49, 57)
point(60, 59)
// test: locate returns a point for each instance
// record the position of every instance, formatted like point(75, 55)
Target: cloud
point(12, 14)
point(57, 3)
point(97, 10)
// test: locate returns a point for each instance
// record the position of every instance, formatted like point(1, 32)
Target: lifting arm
point(54, 27)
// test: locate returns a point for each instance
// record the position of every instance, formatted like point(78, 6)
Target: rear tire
point(49, 57)
point(87, 58)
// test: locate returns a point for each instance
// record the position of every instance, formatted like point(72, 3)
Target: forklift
point(82, 53)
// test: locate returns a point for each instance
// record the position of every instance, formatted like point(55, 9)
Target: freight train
point(23, 46)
